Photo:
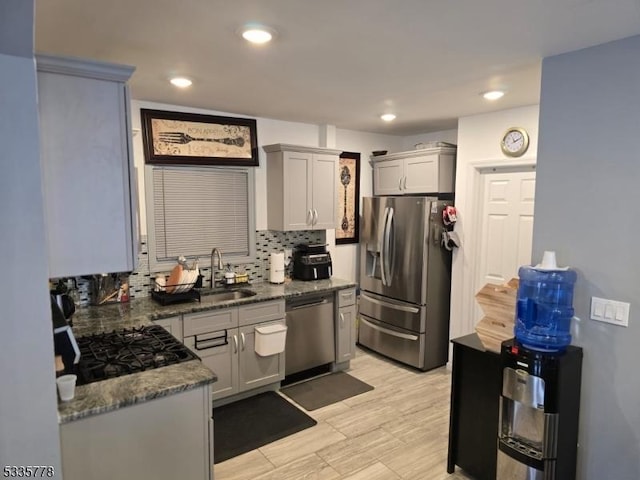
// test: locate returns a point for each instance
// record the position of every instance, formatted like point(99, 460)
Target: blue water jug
point(544, 308)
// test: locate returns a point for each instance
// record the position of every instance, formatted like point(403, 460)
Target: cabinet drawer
point(261, 312)
point(210, 321)
point(346, 297)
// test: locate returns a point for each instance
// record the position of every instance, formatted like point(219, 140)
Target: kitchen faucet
point(217, 252)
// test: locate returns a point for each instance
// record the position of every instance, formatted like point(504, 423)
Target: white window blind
point(196, 209)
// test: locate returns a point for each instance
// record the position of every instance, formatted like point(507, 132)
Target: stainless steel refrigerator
point(405, 280)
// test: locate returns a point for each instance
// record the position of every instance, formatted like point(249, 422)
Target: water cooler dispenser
point(539, 410)
point(541, 377)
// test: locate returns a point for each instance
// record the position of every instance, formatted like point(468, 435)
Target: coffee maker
point(64, 342)
point(539, 410)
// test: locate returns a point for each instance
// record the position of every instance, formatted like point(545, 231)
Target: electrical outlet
point(610, 311)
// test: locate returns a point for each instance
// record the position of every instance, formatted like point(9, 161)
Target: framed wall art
point(195, 139)
point(348, 229)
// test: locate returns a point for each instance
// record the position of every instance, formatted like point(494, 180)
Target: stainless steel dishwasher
point(310, 333)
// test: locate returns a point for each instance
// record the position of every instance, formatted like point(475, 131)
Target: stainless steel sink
point(226, 295)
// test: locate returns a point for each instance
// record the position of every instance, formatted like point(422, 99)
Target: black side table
point(475, 394)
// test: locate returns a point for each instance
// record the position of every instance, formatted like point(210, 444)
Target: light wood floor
point(399, 430)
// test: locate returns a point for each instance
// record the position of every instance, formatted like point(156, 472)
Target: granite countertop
point(142, 311)
point(115, 393)
point(119, 392)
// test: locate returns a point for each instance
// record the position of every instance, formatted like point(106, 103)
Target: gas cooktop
point(132, 350)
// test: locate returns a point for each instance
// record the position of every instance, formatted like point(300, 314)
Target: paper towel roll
point(276, 267)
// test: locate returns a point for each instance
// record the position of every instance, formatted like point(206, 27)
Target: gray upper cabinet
point(89, 183)
point(416, 172)
point(301, 187)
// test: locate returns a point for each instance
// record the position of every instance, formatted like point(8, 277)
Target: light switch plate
point(610, 311)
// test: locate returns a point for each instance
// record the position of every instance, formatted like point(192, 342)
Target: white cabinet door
point(346, 325)
point(346, 340)
point(387, 177)
point(421, 174)
point(415, 172)
point(254, 370)
point(301, 187)
point(323, 181)
point(162, 439)
point(219, 352)
point(298, 198)
point(87, 176)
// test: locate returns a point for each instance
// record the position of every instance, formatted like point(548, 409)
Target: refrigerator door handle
point(393, 333)
point(386, 264)
point(402, 308)
point(381, 246)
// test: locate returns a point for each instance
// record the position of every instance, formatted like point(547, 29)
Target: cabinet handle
point(315, 217)
point(400, 184)
point(341, 320)
point(242, 341)
point(235, 344)
point(405, 182)
point(309, 217)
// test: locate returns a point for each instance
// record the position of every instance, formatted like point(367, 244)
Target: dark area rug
point(325, 390)
point(247, 424)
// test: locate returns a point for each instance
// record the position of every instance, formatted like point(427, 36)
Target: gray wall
point(28, 418)
point(587, 197)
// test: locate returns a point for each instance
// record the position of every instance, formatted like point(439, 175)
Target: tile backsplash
point(267, 241)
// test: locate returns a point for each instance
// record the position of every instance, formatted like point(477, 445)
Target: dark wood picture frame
point(348, 201)
point(195, 139)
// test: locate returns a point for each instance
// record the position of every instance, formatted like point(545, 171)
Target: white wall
point(587, 210)
point(276, 131)
point(479, 146)
point(29, 432)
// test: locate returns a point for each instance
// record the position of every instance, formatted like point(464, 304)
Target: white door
point(506, 227)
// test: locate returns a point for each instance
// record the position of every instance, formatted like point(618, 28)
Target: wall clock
point(515, 142)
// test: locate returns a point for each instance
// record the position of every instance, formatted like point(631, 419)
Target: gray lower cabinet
point(253, 370)
point(346, 325)
point(225, 341)
point(173, 325)
point(164, 439)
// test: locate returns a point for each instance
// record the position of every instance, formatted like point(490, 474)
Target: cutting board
point(174, 278)
point(498, 303)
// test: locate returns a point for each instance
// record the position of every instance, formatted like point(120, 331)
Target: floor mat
point(253, 422)
point(325, 390)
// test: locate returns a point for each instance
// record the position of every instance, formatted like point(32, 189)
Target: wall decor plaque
point(348, 202)
point(196, 139)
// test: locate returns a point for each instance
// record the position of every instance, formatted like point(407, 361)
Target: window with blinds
point(191, 210)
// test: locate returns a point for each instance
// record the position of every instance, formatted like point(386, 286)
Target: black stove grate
point(132, 350)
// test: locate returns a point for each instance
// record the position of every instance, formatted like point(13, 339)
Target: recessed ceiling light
point(388, 117)
point(257, 34)
point(493, 95)
point(181, 82)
